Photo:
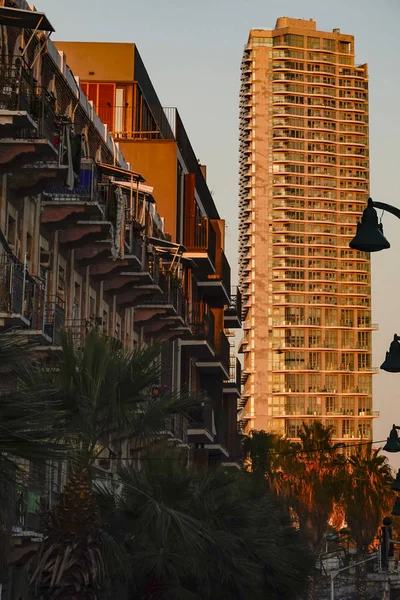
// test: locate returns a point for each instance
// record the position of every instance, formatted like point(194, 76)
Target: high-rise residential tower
point(304, 181)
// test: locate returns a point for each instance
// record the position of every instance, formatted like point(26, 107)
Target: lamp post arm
point(388, 207)
point(361, 562)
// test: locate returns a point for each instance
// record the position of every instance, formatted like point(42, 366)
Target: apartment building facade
point(84, 243)
point(304, 180)
point(154, 139)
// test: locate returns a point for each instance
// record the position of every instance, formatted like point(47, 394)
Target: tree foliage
point(211, 536)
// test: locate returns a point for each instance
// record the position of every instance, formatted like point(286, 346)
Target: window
point(364, 429)
point(313, 42)
point(331, 405)
point(344, 47)
point(348, 403)
point(294, 40)
point(329, 44)
point(348, 428)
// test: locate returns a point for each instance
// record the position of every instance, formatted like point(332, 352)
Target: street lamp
point(393, 442)
point(369, 236)
point(396, 482)
point(391, 364)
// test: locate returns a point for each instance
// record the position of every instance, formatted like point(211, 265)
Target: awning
point(171, 248)
point(146, 189)
point(118, 172)
point(25, 19)
point(166, 244)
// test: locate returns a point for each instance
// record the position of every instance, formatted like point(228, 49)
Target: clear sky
point(192, 51)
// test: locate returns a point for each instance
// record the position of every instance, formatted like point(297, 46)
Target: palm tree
point(26, 432)
point(266, 454)
point(311, 474)
point(305, 474)
point(208, 536)
point(367, 496)
point(104, 394)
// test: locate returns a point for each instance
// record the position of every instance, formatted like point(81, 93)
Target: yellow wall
point(107, 61)
point(156, 160)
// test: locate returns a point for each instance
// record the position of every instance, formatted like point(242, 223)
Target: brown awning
point(25, 19)
point(114, 171)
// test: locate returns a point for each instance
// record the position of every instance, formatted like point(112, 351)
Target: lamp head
point(396, 482)
point(396, 508)
point(391, 364)
point(369, 236)
point(393, 442)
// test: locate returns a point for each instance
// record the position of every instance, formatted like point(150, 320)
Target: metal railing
point(199, 236)
point(54, 319)
point(17, 85)
point(86, 189)
point(152, 265)
point(179, 302)
point(223, 349)
point(35, 303)
point(225, 273)
point(138, 122)
point(235, 305)
point(19, 91)
point(202, 324)
point(12, 283)
point(235, 373)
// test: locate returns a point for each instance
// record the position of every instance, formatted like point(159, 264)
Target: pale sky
point(192, 51)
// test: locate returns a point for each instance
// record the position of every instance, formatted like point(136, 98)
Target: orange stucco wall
point(156, 160)
point(107, 61)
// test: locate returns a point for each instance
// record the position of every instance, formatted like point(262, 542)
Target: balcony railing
point(151, 263)
point(235, 373)
point(55, 319)
point(19, 91)
point(202, 324)
point(85, 189)
point(234, 308)
point(223, 271)
point(17, 86)
point(35, 303)
point(138, 122)
point(179, 302)
point(12, 284)
point(199, 236)
point(223, 349)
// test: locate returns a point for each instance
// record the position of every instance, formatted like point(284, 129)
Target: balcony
point(201, 428)
point(233, 385)
point(219, 363)
point(217, 286)
point(17, 90)
point(200, 241)
point(165, 312)
point(202, 326)
point(12, 291)
point(21, 299)
point(233, 311)
point(30, 131)
point(133, 287)
point(63, 205)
